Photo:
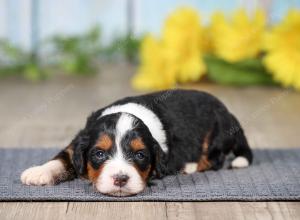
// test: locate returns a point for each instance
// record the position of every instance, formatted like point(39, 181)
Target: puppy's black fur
point(199, 128)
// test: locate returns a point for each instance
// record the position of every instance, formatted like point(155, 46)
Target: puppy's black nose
point(120, 180)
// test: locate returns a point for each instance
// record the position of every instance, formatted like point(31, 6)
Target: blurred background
point(61, 60)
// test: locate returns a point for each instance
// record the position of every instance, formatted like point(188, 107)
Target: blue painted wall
point(76, 16)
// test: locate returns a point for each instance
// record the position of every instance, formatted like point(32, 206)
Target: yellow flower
point(176, 57)
point(239, 38)
point(282, 44)
point(153, 72)
point(182, 34)
point(206, 41)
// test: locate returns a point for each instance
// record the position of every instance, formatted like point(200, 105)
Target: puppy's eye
point(139, 155)
point(100, 154)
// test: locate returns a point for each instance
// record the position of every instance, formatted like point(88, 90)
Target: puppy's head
point(117, 153)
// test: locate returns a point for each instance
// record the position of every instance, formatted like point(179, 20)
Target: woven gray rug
point(274, 175)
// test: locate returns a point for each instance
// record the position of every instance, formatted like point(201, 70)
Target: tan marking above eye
point(137, 144)
point(104, 142)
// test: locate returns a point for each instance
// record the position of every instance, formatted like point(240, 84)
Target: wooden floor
point(48, 114)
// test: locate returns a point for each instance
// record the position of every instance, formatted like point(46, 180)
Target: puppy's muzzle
point(120, 180)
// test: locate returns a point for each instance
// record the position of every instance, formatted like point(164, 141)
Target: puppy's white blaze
point(190, 168)
point(240, 162)
point(118, 165)
point(148, 117)
point(45, 174)
point(124, 124)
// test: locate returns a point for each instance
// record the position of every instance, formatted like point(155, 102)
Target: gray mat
point(274, 175)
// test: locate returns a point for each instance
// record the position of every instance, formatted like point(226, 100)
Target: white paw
point(190, 168)
point(42, 175)
point(240, 162)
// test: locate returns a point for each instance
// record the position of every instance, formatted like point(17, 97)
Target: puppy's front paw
point(38, 175)
point(42, 175)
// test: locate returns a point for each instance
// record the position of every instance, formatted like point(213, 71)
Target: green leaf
point(243, 73)
point(78, 53)
point(127, 46)
point(34, 73)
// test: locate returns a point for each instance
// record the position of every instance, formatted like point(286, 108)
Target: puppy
point(126, 144)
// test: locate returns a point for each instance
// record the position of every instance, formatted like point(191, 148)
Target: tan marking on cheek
point(137, 144)
point(204, 163)
point(92, 173)
point(143, 173)
point(104, 142)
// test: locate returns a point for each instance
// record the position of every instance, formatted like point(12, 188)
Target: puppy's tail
point(241, 147)
point(235, 140)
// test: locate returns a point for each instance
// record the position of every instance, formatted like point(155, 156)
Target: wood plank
point(234, 210)
point(181, 211)
point(83, 210)
point(150, 210)
point(33, 210)
point(218, 210)
point(271, 210)
point(116, 210)
point(293, 209)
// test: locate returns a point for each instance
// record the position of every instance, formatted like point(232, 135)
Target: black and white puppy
point(135, 139)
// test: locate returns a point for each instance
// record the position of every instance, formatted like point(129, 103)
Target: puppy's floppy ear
point(160, 159)
point(80, 144)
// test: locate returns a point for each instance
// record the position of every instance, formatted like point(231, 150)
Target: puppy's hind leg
point(242, 152)
point(241, 148)
point(212, 156)
point(58, 169)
